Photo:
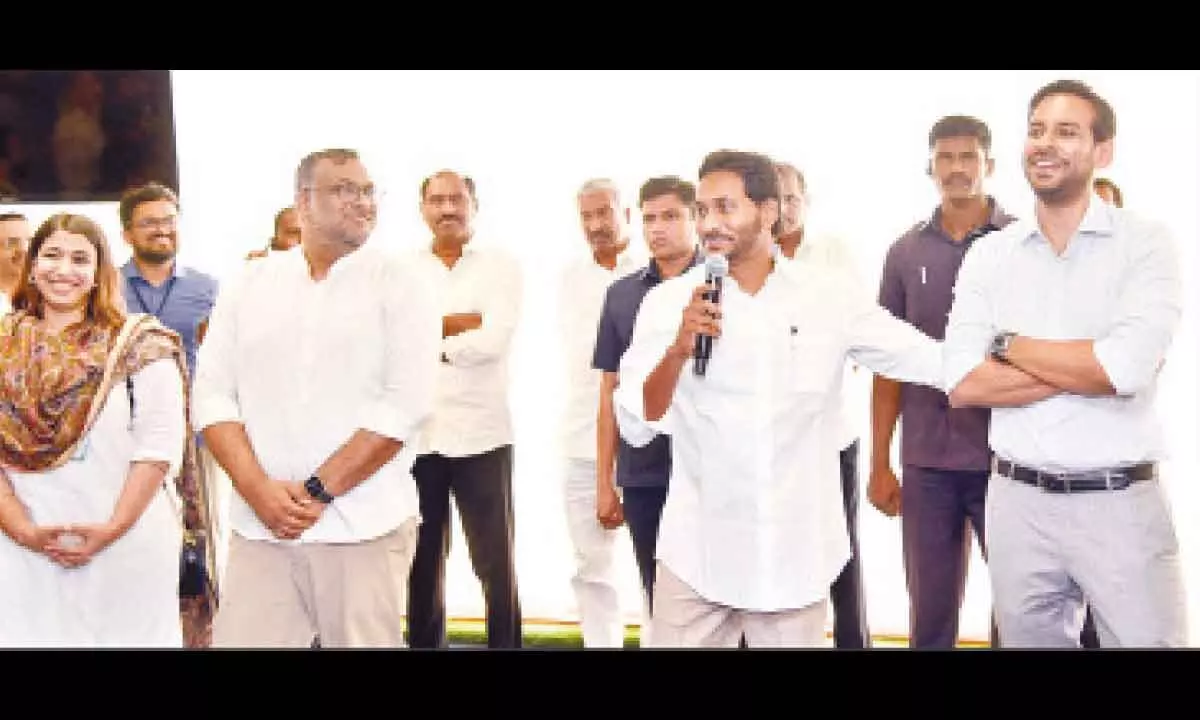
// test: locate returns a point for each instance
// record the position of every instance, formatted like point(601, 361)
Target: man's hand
point(700, 317)
point(285, 508)
point(609, 511)
point(883, 490)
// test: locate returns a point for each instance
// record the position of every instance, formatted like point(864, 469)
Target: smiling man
point(155, 283)
point(1060, 324)
point(753, 532)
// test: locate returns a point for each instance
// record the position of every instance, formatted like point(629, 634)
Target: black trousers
point(482, 489)
point(846, 594)
point(643, 512)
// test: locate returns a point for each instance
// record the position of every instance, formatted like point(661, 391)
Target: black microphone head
point(716, 265)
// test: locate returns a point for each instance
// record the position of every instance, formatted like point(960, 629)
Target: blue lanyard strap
point(142, 301)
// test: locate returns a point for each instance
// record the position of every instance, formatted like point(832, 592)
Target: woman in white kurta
point(92, 430)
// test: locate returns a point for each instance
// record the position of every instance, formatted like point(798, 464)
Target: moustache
point(600, 235)
point(716, 237)
point(446, 218)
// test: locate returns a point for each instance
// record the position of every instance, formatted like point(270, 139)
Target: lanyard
point(142, 301)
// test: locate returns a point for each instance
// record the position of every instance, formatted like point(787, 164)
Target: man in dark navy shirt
point(667, 205)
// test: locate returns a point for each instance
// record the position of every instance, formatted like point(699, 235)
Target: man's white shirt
point(1117, 283)
point(827, 250)
point(581, 301)
point(754, 519)
point(303, 365)
point(471, 411)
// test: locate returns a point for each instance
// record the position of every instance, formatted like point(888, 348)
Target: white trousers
point(594, 581)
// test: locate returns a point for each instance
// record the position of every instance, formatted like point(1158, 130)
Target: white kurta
point(128, 595)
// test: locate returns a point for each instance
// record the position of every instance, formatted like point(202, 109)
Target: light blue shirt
point(1117, 283)
point(181, 303)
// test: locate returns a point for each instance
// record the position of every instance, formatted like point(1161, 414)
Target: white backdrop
point(531, 137)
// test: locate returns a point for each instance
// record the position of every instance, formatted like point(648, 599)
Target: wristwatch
point(314, 487)
point(999, 346)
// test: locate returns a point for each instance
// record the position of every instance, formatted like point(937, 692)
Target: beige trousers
point(683, 619)
point(279, 595)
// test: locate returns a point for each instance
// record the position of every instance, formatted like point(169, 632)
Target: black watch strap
point(316, 489)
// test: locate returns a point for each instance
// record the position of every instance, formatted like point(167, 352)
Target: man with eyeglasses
point(313, 406)
point(154, 281)
point(466, 447)
point(14, 241)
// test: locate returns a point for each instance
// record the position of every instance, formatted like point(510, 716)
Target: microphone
point(716, 268)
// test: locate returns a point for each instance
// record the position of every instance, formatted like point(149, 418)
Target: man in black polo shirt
point(668, 221)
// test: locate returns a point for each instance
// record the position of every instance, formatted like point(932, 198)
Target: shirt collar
point(997, 218)
point(130, 270)
point(1097, 220)
point(651, 274)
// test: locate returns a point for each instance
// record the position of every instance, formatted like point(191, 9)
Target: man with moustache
point(312, 407)
point(668, 207)
point(605, 222)
point(466, 448)
point(850, 629)
point(14, 242)
point(154, 282)
point(944, 451)
point(1060, 325)
point(753, 533)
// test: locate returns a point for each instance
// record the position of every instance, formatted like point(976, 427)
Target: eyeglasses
point(349, 192)
point(165, 223)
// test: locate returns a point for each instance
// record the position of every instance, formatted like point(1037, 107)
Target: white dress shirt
point(754, 519)
point(580, 302)
point(5, 304)
point(1117, 283)
point(471, 413)
point(305, 364)
point(830, 251)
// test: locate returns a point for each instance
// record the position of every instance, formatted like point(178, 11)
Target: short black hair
point(756, 170)
point(1104, 124)
point(957, 126)
point(150, 192)
point(656, 187)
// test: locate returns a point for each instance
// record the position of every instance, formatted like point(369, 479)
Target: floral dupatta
point(52, 389)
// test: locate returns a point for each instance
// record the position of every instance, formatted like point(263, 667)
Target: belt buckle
point(1054, 482)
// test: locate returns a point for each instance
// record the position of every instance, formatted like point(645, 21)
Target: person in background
point(604, 221)
point(1108, 192)
point(14, 243)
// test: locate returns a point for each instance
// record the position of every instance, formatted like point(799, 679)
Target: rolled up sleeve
point(159, 425)
point(214, 392)
point(405, 398)
point(1149, 310)
point(653, 332)
point(970, 327)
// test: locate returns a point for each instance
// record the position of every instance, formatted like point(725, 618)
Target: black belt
point(1090, 481)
